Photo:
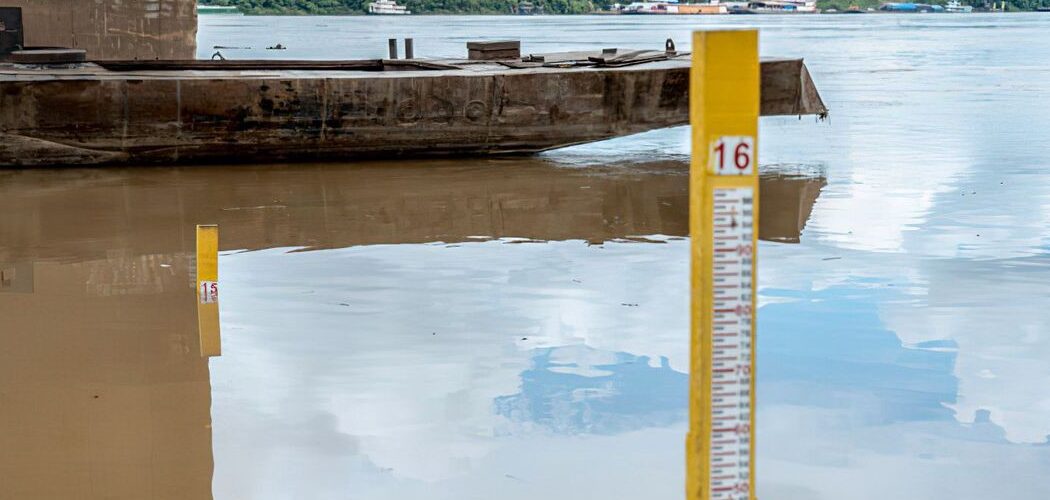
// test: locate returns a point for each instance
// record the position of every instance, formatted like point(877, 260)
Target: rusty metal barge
point(204, 111)
point(60, 107)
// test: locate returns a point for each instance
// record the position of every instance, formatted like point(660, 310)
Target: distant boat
point(775, 7)
point(226, 10)
point(387, 7)
point(526, 8)
point(956, 7)
point(674, 8)
point(909, 7)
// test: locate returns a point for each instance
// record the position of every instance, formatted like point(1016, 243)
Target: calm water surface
point(517, 328)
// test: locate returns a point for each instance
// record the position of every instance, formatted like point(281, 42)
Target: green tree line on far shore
point(337, 7)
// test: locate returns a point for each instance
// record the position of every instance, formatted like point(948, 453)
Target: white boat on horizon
point(674, 7)
point(775, 7)
point(211, 10)
point(956, 7)
point(387, 7)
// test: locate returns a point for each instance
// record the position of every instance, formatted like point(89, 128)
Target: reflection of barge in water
point(368, 203)
point(131, 381)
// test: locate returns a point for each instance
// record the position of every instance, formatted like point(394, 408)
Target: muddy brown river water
point(517, 328)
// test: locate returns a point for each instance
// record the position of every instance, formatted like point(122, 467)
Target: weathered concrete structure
point(112, 29)
point(264, 111)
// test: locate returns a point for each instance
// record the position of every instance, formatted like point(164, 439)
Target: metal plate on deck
point(49, 56)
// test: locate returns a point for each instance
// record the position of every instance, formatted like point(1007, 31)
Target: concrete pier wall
point(113, 29)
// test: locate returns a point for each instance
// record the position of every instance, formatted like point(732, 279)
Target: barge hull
point(93, 116)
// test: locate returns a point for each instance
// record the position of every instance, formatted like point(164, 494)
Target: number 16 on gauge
point(732, 155)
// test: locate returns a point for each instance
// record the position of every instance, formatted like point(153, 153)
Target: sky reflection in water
point(902, 345)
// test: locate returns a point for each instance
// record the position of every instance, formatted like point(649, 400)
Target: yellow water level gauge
point(724, 105)
point(208, 290)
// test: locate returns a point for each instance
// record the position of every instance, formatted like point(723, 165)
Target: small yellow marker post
point(208, 290)
point(723, 213)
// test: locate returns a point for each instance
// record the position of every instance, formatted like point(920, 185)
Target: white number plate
point(209, 292)
point(732, 155)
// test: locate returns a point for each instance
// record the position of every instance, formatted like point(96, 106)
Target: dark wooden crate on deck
point(494, 51)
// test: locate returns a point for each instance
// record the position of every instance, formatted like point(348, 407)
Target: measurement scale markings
point(731, 335)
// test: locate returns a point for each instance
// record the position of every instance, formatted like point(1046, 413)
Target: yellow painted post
point(723, 217)
point(208, 290)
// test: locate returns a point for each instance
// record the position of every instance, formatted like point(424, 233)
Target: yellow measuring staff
point(723, 217)
point(208, 290)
